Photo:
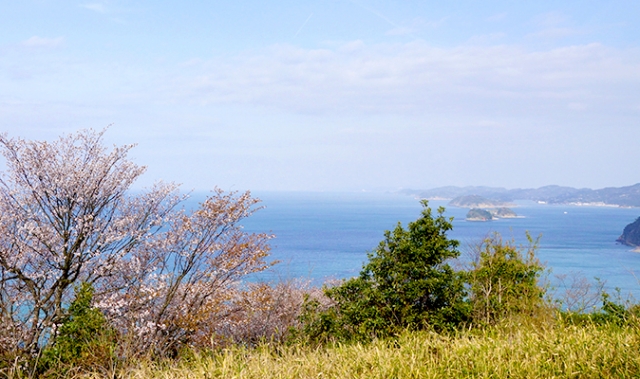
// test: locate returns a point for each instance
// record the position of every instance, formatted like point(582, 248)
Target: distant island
point(479, 214)
point(628, 196)
point(631, 234)
point(503, 213)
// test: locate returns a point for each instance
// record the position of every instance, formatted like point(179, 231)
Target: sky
point(335, 95)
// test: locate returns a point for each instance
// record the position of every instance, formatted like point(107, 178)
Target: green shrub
point(504, 283)
point(407, 284)
point(83, 341)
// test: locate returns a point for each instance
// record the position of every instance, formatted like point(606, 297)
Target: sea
point(325, 236)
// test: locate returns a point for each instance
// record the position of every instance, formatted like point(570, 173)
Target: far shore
point(515, 205)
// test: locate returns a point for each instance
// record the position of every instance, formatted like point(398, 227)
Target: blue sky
point(335, 94)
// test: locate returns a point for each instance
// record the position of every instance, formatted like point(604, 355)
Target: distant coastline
point(597, 204)
point(625, 197)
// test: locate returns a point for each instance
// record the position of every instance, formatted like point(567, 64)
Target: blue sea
point(323, 236)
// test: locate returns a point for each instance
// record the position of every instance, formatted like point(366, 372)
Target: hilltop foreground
point(560, 351)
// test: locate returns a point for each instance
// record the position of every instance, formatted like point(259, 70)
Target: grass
point(559, 351)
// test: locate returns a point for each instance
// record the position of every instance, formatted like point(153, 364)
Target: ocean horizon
point(321, 236)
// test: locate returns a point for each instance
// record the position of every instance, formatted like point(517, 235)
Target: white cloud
point(96, 7)
point(412, 77)
point(39, 42)
point(112, 12)
point(553, 25)
point(415, 26)
point(484, 39)
point(554, 33)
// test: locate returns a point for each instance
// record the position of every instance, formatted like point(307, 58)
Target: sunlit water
point(327, 235)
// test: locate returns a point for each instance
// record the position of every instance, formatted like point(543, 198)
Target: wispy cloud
point(111, 12)
point(553, 25)
point(96, 7)
point(484, 39)
point(396, 30)
point(554, 33)
point(376, 13)
point(40, 42)
point(414, 77)
point(303, 24)
point(415, 26)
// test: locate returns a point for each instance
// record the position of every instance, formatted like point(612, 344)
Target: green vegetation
point(84, 341)
point(407, 284)
point(504, 285)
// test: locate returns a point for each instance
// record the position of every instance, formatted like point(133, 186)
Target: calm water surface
point(327, 235)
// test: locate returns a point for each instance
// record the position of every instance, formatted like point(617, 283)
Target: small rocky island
point(503, 212)
point(631, 234)
point(477, 214)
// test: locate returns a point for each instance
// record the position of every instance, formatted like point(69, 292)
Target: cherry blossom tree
point(68, 216)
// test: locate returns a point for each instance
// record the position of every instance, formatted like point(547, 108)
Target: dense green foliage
point(82, 341)
point(407, 284)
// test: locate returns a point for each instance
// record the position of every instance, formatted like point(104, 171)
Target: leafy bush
point(407, 283)
point(504, 282)
point(83, 341)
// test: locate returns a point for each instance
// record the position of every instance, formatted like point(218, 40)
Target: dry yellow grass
point(557, 352)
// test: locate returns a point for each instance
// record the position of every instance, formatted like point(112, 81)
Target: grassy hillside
point(559, 350)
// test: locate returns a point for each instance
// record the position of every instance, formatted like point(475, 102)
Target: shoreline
point(598, 204)
point(595, 204)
